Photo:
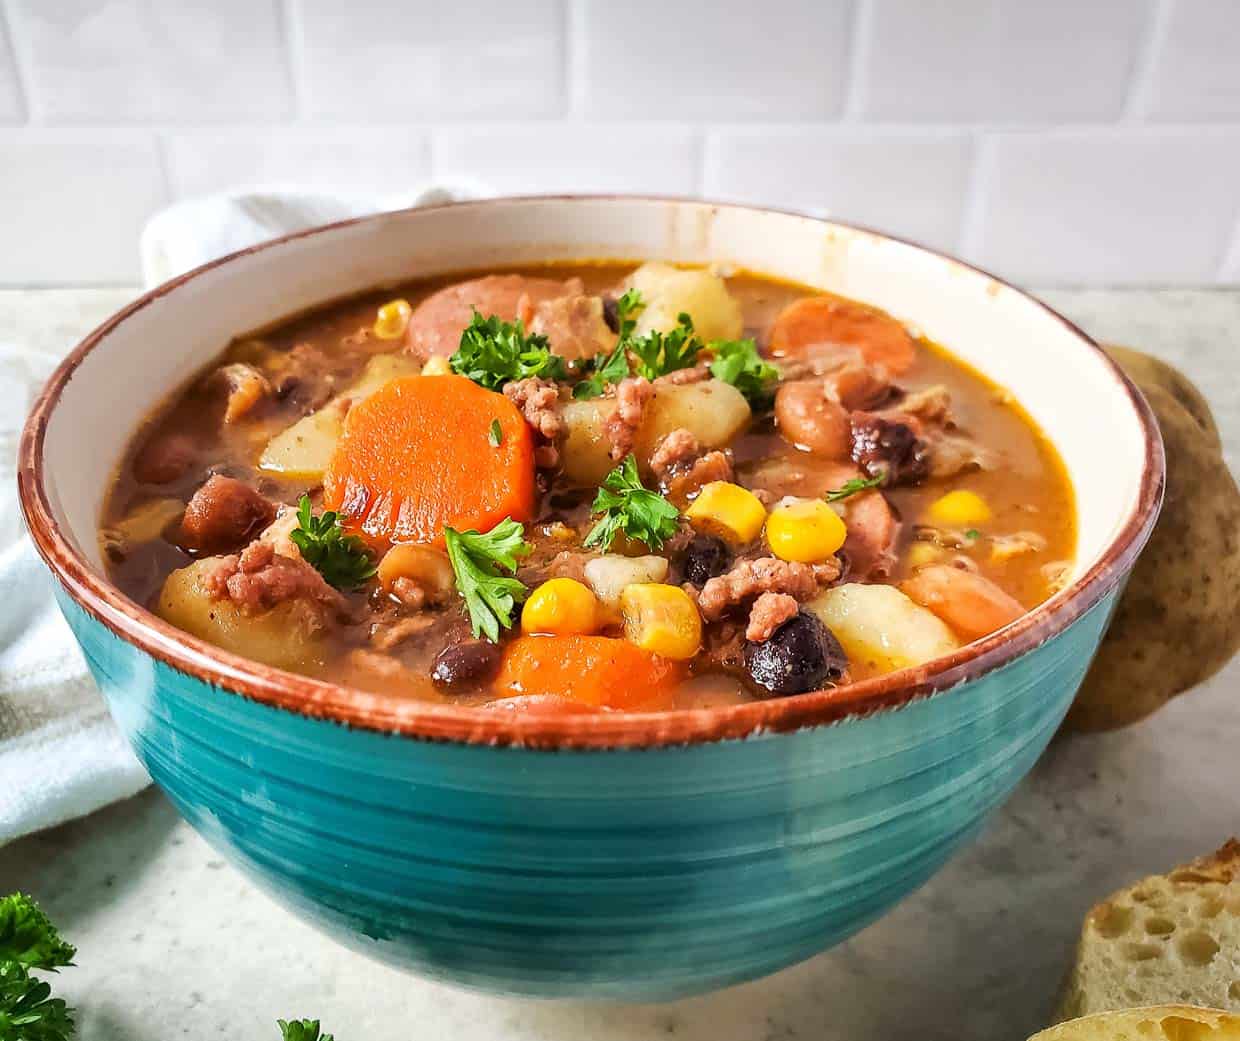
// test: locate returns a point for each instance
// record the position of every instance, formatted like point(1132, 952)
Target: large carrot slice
point(827, 321)
point(592, 670)
point(418, 454)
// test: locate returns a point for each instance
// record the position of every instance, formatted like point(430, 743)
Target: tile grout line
point(295, 57)
point(1141, 79)
point(574, 35)
point(977, 190)
point(858, 62)
point(22, 74)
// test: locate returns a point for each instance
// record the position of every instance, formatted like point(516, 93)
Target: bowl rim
point(393, 714)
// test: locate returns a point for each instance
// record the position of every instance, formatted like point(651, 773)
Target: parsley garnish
point(630, 508)
point(495, 435)
point(972, 534)
point(607, 369)
point(476, 559)
point(302, 1030)
point(660, 353)
point(612, 368)
point(341, 559)
point(29, 941)
point(857, 484)
point(737, 362)
point(494, 352)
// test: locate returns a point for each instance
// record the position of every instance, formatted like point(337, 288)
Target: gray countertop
point(173, 942)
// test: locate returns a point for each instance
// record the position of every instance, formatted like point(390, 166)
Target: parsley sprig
point(629, 508)
point(658, 353)
point(610, 368)
point(342, 560)
point(738, 362)
point(494, 352)
point(28, 941)
point(477, 560)
point(855, 486)
point(302, 1030)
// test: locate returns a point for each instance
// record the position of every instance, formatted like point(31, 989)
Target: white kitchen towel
point(61, 755)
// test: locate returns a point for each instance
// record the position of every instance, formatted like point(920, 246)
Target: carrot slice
point(826, 321)
point(592, 670)
point(418, 454)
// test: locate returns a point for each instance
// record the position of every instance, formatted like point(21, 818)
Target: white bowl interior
point(1068, 389)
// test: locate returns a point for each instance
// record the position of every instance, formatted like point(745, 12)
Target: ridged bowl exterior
point(632, 874)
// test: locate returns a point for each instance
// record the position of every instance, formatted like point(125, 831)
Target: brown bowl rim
point(402, 716)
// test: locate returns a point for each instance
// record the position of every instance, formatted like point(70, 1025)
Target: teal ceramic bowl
point(633, 857)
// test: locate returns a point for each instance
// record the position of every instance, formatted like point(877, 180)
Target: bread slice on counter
point(1171, 938)
point(1160, 1023)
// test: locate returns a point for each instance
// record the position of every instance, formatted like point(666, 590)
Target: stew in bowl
point(590, 487)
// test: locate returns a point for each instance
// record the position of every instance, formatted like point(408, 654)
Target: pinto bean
point(223, 514)
point(809, 419)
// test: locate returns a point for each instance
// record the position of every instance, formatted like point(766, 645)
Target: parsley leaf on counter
point(856, 485)
point(476, 560)
point(28, 941)
point(494, 352)
point(660, 353)
point(28, 938)
point(612, 368)
point(629, 508)
point(302, 1030)
point(342, 560)
point(738, 362)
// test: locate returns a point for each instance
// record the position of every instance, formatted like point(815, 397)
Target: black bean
point(703, 559)
point(465, 664)
point(802, 654)
point(611, 313)
point(882, 446)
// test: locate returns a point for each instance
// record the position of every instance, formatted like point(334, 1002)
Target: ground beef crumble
point(768, 613)
point(539, 402)
point(750, 578)
point(633, 394)
point(258, 578)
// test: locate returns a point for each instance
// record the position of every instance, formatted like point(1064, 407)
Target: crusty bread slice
point(1169, 938)
point(1160, 1023)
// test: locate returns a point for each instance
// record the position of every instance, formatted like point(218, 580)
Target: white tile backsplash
point(11, 108)
point(366, 159)
point(571, 157)
point(1000, 60)
point(375, 60)
point(1196, 74)
point(912, 184)
point(655, 59)
point(74, 203)
point(1057, 141)
point(143, 61)
point(1110, 206)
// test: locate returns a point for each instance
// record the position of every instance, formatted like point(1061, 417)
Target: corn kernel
point(959, 509)
point(807, 531)
point(661, 619)
point(391, 319)
point(729, 511)
point(437, 366)
point(922, 554)
point(561, 607)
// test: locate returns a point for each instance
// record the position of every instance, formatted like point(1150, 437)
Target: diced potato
point(701, 294)
point(714, 411)
point(285, 636)
point(610, 575)
point(880, 627)
point(303, 450)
